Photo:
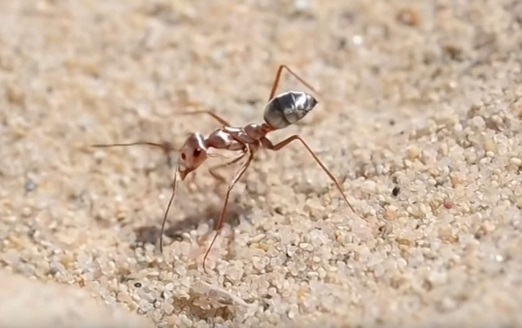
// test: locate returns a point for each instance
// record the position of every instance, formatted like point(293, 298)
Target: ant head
point(192, 154)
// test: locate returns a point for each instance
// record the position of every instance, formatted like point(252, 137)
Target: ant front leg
point(278, 77)
point(221, 221)
point(217, 176)
point(269, 145)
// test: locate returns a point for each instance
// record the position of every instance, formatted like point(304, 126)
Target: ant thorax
point(288, 108)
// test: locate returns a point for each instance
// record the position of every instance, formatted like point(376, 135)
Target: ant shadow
point(149, 234)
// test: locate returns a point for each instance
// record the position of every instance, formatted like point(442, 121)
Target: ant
point(281, 111)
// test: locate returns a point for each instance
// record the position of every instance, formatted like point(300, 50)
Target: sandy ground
point(420, 96)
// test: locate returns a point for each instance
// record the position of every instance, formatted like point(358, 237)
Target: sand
point(419, 117)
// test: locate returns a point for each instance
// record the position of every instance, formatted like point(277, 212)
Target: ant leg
point(278, 77)
point(221, 221)
point(269, 145)
point(219, 177)
point(165, 146)
point(207, 112)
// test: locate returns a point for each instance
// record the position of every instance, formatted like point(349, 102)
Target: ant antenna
point(168, 207)
point(165, 146)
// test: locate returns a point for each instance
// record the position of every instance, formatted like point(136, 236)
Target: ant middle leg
point(207, 112)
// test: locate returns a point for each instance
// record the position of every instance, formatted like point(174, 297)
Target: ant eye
point(197, 152)
point(183, 156)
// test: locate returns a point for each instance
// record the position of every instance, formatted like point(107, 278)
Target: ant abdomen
point(288, 108)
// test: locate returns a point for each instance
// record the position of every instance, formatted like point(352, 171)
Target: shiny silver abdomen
point(288, 108)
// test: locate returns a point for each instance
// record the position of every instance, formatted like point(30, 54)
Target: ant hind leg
point(278, 77)
point(269, 145)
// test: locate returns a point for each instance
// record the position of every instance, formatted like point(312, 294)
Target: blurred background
point(422, 96)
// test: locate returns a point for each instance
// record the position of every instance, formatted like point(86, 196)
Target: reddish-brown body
point(280, 112)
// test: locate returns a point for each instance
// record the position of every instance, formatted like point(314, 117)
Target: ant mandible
point(281, 111)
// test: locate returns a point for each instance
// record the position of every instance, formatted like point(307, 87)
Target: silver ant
point(281, 111)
